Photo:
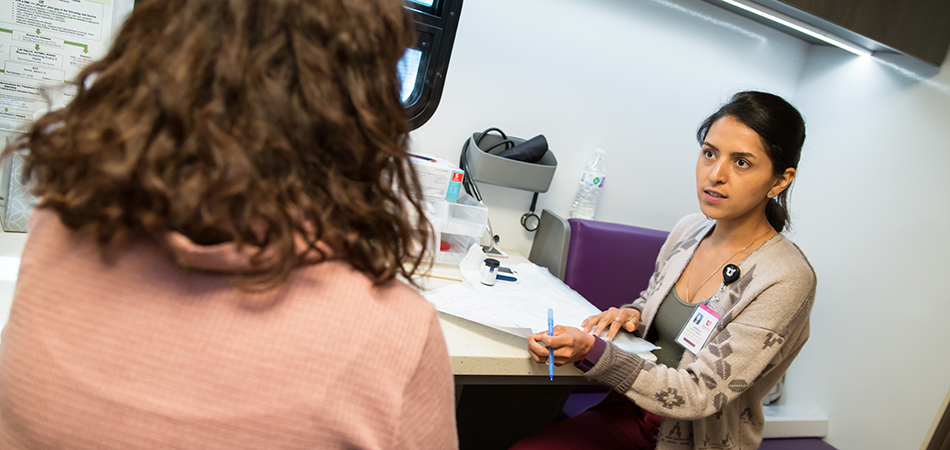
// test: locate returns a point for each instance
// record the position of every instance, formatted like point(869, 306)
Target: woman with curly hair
point(224, 207)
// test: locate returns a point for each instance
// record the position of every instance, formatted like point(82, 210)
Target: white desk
point(484, 355)
point(498, 387)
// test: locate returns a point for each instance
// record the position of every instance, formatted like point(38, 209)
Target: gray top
point(669, 320)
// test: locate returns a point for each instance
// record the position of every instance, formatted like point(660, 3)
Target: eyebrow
point(745, 155)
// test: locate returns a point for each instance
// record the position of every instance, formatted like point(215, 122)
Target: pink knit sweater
point(144, 354)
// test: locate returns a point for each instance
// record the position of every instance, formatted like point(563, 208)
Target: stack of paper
point(520, 308)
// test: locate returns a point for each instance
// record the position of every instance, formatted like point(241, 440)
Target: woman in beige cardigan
point(224, 207)
point(705, 393)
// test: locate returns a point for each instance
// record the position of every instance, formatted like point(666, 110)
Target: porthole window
point(423, 68)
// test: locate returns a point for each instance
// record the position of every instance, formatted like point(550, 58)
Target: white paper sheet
point(525, 303)
point(461, 301)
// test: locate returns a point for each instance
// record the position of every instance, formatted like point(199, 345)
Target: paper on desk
point(526, 303)
point(461, 301)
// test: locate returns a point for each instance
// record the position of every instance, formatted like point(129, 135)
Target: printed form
point(44, 44)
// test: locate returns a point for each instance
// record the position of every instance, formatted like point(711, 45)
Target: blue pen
point(550, 352)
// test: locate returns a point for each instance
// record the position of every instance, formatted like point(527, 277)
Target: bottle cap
point(492, 262)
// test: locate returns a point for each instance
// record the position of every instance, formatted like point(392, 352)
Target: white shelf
point(789, 422)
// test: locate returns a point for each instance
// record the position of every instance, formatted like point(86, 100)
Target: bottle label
point(590, 179)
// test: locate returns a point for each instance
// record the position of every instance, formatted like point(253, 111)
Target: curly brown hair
point(252, 121)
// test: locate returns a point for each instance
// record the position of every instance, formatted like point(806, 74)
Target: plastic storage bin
point(437, 211)
point(466, 217)
point(458, 248)
point(457, 226)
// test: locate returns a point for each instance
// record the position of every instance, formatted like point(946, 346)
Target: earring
point(770, 195)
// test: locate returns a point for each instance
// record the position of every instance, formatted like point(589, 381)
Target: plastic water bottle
point(590, 187)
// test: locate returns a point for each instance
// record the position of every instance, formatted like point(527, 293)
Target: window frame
point(436, 26)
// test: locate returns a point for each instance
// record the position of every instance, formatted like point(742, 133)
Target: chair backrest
point(608, 263)
point(549, 248)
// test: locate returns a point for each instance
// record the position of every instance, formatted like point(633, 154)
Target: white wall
point(631, 76)
point(872, 213)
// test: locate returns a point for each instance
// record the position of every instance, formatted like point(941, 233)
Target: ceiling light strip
point(799, 26)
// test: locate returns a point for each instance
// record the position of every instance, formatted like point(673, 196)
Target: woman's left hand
point(612, 319)
point(569, 344)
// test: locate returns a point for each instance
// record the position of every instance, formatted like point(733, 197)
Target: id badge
point(697, 330)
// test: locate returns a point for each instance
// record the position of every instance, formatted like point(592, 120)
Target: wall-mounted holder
point(489, 168)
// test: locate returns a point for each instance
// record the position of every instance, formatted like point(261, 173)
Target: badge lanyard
point(701, 324)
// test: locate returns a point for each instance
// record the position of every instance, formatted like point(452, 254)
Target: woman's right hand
point(614, 318)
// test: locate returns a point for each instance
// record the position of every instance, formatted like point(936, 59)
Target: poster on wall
point(44, 44)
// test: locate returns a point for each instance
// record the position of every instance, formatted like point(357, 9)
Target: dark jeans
point(612, 424)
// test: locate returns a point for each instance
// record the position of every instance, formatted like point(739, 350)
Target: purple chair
point(607, 263)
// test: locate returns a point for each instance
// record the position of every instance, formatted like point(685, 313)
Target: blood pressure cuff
point(530, 151)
